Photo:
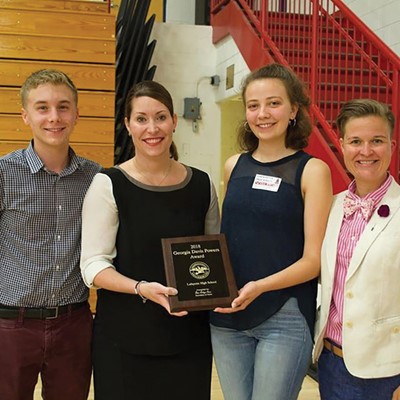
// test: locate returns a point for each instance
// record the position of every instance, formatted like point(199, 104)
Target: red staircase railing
point(327, 45)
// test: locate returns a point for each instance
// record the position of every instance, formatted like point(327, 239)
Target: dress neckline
point(276, 162)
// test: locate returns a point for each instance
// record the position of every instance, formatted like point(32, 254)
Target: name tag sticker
point(265, 182)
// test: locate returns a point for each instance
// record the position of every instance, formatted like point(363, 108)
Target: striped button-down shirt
point(40, 230)
point(352, 228)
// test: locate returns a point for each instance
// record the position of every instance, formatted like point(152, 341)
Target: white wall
point(382, 17)
point(180, 11)
point(232, 111)
point(228, 54)
point(186, 59)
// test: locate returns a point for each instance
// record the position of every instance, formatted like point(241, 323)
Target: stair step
point(346, 93)
point(340, 76)
point(327, 59)
point(325, 50)
point(331, 44)
point(342, 82)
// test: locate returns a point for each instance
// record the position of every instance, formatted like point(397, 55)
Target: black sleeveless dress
point(160, 355)
point(265, 234)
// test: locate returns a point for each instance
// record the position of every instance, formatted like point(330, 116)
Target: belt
point(10, 312)
point(337, 351)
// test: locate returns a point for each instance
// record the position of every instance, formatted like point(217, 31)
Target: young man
point(45, 320)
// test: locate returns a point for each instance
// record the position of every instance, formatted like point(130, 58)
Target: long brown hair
point(157, 92)
point(297, 134)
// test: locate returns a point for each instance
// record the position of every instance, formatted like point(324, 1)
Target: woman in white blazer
point(358, 334)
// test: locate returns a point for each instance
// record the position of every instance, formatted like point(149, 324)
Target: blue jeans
point(336, 382)
point(267, 362)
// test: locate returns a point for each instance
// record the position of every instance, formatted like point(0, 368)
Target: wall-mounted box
point(191, 108)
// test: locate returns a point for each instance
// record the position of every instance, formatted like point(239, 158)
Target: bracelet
point(137, 290)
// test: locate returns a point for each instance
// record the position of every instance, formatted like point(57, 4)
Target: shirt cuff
point(90, 271)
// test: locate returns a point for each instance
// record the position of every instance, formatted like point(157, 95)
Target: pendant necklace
point(147, 179)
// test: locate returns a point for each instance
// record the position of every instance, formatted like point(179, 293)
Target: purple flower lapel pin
point(384, 211)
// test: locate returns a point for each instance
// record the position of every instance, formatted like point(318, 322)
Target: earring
point(292, 122)
point(247, 126)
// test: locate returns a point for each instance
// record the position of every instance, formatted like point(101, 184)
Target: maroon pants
point(57, 349)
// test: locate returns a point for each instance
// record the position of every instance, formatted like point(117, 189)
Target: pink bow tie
point(365, 206)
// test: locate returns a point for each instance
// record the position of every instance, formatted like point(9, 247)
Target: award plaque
point(200, 269)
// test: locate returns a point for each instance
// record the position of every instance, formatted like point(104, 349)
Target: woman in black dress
point(140, 349)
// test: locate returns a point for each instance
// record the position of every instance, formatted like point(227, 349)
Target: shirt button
point(60, 207)
point(353, 238)
point(57, 267)
point(58, 237)
point(349, 324)
point(53, 295)
point(396, 329)
point(349, 295)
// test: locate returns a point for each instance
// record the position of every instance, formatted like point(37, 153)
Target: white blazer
point(371, 311)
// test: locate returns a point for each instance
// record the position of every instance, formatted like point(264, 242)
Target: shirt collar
point(36, 164)
point(376, 195)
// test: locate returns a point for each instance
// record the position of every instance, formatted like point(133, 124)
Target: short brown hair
point(358, 108)
point(43, 76)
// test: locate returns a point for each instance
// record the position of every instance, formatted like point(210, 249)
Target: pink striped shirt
point(350, 232)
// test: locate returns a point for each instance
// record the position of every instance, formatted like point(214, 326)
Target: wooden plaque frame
point(199, 268)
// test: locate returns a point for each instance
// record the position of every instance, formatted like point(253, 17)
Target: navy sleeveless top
point(147, 214)
point(265, 234)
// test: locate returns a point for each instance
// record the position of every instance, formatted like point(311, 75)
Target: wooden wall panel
point(57, 48)
point(96, 104)
point(84, 76)
point(9, 100)
point(69, 24)
point(92, 300)
point(76, 5)
point(101, 153)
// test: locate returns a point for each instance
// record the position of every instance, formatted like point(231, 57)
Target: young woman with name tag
point(274, 216)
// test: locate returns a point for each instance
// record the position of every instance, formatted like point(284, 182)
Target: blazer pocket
point(387, 336)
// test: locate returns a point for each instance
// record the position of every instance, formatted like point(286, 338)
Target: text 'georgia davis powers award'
point(200, 268)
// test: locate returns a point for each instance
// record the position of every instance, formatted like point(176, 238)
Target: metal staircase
point(326, 44)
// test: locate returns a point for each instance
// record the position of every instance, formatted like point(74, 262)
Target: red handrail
point(331, 49)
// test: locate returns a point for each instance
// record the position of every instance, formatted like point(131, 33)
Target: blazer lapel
point(374, 227)
point(333, 229)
